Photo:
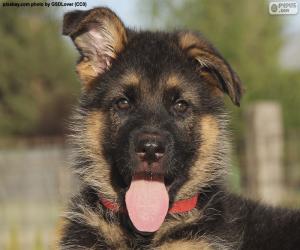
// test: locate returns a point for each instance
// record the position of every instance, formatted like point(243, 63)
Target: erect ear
point(99, 36)
point(212, 66)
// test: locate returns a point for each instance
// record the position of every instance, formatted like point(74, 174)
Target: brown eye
point(181, 106)
point(122, 104)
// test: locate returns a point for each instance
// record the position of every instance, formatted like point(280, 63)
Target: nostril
point(158, 156)
point(150, 151)
point(141, 155)
point(153, 148)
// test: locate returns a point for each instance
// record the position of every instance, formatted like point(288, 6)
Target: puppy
point(150, 144)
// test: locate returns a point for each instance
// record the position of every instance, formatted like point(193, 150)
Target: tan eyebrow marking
point(131, 79)
point(173, 80)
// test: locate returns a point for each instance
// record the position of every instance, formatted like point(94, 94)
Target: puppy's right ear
point(99, 36)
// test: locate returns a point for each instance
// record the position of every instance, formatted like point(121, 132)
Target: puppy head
point(151, 116)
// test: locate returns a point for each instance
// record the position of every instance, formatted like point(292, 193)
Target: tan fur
point(176, 221)
point(202, 171)
point(118, 33)
point(195, 47)
point(173, 80)
point(92, 137)
point(59, 231)
point(86, 73)
point(212, 83)
point(131, 79)
point(110, 231)
point(188, 39)
point(186, 245)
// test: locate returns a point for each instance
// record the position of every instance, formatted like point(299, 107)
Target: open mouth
point(147, 199)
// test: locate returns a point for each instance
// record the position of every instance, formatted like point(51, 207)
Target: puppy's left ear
point(211, 65)
point(99, 36)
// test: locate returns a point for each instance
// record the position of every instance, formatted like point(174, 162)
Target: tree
point(37, 80)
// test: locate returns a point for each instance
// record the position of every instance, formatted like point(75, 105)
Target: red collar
point(180, 206)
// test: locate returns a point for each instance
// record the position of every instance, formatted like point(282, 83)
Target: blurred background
point(38, 88)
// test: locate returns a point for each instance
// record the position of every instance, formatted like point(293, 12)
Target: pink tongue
point(147, 202)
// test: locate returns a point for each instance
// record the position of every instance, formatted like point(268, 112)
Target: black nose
point(150, 147)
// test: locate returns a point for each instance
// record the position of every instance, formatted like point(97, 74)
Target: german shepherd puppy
point(150, 143)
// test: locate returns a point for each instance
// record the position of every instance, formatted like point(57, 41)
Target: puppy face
point(151, 109)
